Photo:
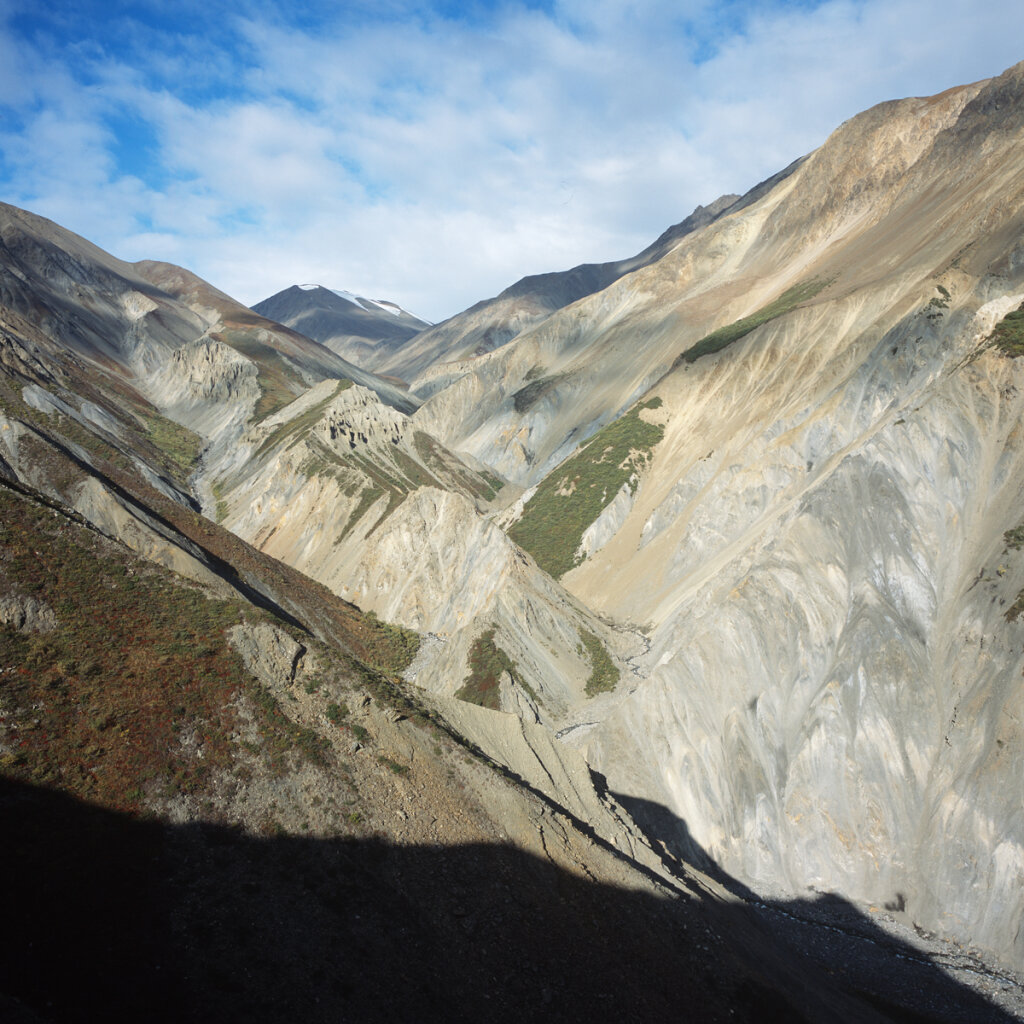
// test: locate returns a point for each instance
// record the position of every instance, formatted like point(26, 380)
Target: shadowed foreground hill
point(210, 814)
point(112, 918)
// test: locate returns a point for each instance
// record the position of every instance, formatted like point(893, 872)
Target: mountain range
point(644, 637)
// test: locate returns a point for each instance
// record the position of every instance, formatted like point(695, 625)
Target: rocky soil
point(755, 752)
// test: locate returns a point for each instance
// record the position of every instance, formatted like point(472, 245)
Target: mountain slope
point(148, 320)
point(528, 405)
point(494, 322)
point(817, 540)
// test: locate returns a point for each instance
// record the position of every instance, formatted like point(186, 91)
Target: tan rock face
point(818, 548)
point(356, 420)
point(826, 691)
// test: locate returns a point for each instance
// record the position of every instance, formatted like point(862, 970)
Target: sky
point(432, 152)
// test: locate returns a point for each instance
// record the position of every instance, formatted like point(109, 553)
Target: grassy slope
point(604, 675)
point(572, 496)
point(1009, 333)
point(725, 336)
point(486, 664)
point(113, 704)
point(1008, 337)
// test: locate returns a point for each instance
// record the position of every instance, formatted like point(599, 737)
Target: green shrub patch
point(725, 336)
point(571, 497)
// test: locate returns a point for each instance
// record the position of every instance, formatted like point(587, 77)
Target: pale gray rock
point(516, 701)
point(27, 614)
point(208, 385)
point(606, 525)
point(269, 653)
point(88, 414)
point(835, 691)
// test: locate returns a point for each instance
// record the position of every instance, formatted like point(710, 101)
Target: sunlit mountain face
point(662, 607)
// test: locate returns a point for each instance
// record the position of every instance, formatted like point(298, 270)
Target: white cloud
point(434, 161)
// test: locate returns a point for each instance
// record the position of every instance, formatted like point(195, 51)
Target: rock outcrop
point(26, 614)
point(269, 653)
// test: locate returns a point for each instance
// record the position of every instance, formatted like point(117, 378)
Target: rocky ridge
point(756, 560)
point(433, 359)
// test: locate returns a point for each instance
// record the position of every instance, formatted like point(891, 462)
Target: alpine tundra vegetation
point(643, 641)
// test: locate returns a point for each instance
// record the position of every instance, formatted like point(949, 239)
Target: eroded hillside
point(815, 539)
point(697, 579)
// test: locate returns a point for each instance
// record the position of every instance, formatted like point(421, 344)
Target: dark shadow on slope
point(669, 835)
point(111, 918)
point(829, 933)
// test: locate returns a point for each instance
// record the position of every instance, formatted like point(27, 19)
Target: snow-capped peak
point(369, 305)
point(374, 304)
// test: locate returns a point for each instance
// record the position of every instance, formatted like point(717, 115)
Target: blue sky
point(434, 152)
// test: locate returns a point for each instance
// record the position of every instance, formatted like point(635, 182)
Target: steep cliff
point(820, 546)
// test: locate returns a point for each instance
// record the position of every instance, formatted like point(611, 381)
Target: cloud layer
point(433, 153)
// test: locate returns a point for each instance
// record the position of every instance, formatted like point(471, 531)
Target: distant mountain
point(492, 323)
point(366, 331)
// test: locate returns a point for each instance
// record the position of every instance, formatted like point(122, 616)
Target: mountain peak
point(365, 331)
